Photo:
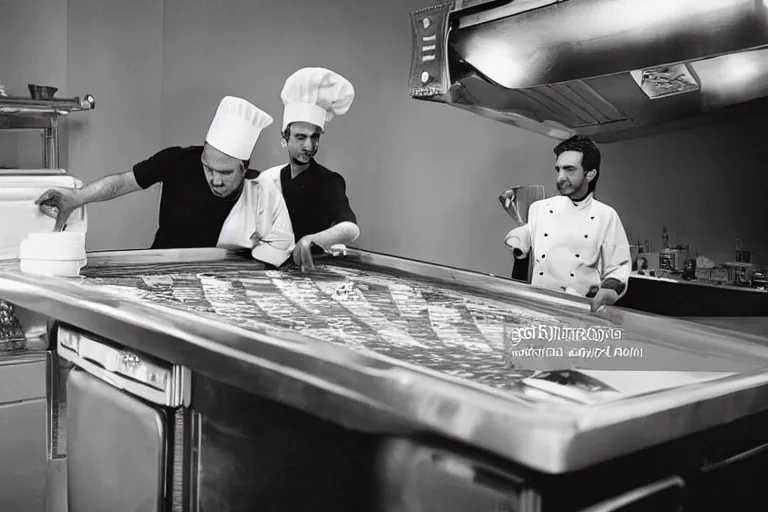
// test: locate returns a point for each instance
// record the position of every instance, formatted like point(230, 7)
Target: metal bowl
point(42, 92)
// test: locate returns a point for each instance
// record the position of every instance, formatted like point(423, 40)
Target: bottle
point(664, 238)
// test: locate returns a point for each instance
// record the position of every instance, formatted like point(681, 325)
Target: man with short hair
point(578, 244)
point(201, 184)
point(316, 196)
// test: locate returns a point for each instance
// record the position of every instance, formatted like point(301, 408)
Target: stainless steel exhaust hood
point(611, 69)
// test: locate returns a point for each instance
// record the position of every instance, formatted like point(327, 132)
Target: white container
point(22, 216)
point(53, 254)
point(60, 268)
point(57, 246)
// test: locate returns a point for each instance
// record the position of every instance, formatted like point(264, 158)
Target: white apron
point(259, 221)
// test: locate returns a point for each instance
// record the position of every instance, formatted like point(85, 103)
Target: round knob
point(426, 23)
point(88, 102)
point(424, 77)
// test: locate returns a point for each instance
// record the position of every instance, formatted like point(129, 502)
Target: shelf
point(18, 113)
point(29, 114)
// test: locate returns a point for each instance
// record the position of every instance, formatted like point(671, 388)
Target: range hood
point(610, 69)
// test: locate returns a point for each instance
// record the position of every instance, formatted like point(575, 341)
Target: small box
point(719, 275)
point(739, 273)
point(673, 259)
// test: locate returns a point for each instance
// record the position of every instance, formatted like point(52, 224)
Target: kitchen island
point(202, 381)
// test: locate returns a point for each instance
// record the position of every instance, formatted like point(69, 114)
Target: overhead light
point(663, 81)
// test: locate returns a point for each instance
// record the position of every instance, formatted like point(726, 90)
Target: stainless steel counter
point(374, 393)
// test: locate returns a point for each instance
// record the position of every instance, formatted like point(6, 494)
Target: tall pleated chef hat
point(236, 127)
point(315, 96)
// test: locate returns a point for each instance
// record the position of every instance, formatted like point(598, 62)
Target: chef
point(200, 184)
point(316, 197)
point(578, 243)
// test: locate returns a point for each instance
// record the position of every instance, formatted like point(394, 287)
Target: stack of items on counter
point(53, 254)
point(676, 263)
point(739, 273)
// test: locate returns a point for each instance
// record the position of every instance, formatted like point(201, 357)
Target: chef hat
point(315, 96)
point(236, 127)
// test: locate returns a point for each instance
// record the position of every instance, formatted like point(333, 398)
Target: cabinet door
point(115, 448)
point(23, 424)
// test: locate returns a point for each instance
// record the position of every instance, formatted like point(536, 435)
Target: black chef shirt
point(316, 199)
point(190, 214)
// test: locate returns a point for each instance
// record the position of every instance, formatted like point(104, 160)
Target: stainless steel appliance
point(126, 427)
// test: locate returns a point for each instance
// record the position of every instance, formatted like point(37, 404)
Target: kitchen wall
point(33, 50)
point(115, 53)
point(423, 178)
point(707, 185)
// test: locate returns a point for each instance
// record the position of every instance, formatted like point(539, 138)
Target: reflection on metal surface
point(115, 460)
point(374, 393)
point(57, 370)
point(422, 479)
point(645, 496)
point(539, 62)
point(714, 466)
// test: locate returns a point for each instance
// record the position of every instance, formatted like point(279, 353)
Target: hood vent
point(611, 69)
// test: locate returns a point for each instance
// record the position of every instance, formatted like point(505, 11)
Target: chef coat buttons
point(424, 77)
point(550, 211)
point(593, 218)
point(546, 234)
point(541, 273)
point(572, 274)
point(577, 255)
point(543, 255)
point(585, 236)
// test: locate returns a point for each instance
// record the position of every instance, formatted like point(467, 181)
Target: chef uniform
point(578, 247)
point(259, 220)
point(316, 198)
point(190, 214)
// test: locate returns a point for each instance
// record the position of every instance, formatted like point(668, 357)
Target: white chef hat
point(236, 127)
point(315, 96)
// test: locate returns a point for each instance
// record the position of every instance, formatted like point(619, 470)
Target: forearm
point(342, 233)
point(519, 240)
point(616, 275)
point(109, 187)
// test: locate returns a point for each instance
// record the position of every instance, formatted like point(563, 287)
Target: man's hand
point(604, 297)
point(302, 254)
point(59, 203)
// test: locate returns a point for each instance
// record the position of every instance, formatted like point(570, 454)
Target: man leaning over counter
point(578, 243)
point(316, 196)
point(200, 184)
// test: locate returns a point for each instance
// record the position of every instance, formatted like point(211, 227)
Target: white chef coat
point(574, 245)
point(259, 221)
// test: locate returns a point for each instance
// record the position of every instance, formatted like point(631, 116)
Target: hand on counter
point(302, 254)
point(603, 297)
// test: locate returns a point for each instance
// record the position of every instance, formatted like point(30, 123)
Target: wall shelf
point(38, 114)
